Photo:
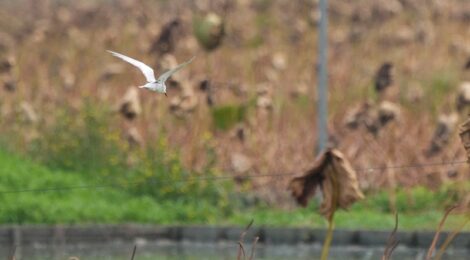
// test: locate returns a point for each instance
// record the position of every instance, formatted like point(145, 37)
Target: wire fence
point(225, 177)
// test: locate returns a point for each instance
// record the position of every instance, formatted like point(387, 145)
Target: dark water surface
point(199, 251)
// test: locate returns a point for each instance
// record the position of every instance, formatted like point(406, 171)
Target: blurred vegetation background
point(71, 115)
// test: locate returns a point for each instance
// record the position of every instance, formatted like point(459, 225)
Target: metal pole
point(322, 77)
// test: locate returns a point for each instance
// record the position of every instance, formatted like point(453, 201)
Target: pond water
point(221, 251)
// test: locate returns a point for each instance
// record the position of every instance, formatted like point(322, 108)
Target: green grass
point(120, 205)
point(82, 205)
point(352, 219)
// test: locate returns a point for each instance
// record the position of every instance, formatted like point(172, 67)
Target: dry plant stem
point(450, 238)
point(133, 252)
point(436, 236)
point(252, 255)
point(391, 178)
point(241, 249)
point(329, 234)
point(329, 237)
point(391, 174)
point(392, 242)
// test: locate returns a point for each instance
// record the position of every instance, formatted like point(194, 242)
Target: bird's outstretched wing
point(146, 70)
point(168, 73)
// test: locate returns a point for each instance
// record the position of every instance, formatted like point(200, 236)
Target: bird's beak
point(166, 94)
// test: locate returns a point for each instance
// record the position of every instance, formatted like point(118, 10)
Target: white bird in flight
point(157, 85)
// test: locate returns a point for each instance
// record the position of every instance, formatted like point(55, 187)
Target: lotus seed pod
point(209, 31)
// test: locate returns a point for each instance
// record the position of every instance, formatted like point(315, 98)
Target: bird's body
point(157, 85)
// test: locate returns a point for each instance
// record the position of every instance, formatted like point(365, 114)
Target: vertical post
point(322, 78)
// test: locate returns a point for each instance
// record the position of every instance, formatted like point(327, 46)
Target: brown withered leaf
point(356, 116)
point(7, 64)
point(336, 178)
point(383, 77)
point(463, 95)
point(130, 106)
point(464, 133)
point(9, 83)
point(165, 42)
point(446, 124)
point(373, 117)
point(387, 112)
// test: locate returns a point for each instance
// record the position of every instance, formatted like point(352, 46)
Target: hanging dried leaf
point(356, 116)
point(240, 133)
point(387, 112)
point(445, 126)
point(464, 133)
point(383, 77)
point(336, 179)
point(185, 103)
point(264, 102)
point(372, 117)
point(7, 64)
point(130, 105)
point(463, 95)
point(205, 85)
point(9, 83)
point(166, 42)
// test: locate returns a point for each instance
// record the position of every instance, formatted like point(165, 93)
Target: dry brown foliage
point(464, 133)
point(384, 77)
point(333, 174)
point(130, 105)
point(52, 56)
